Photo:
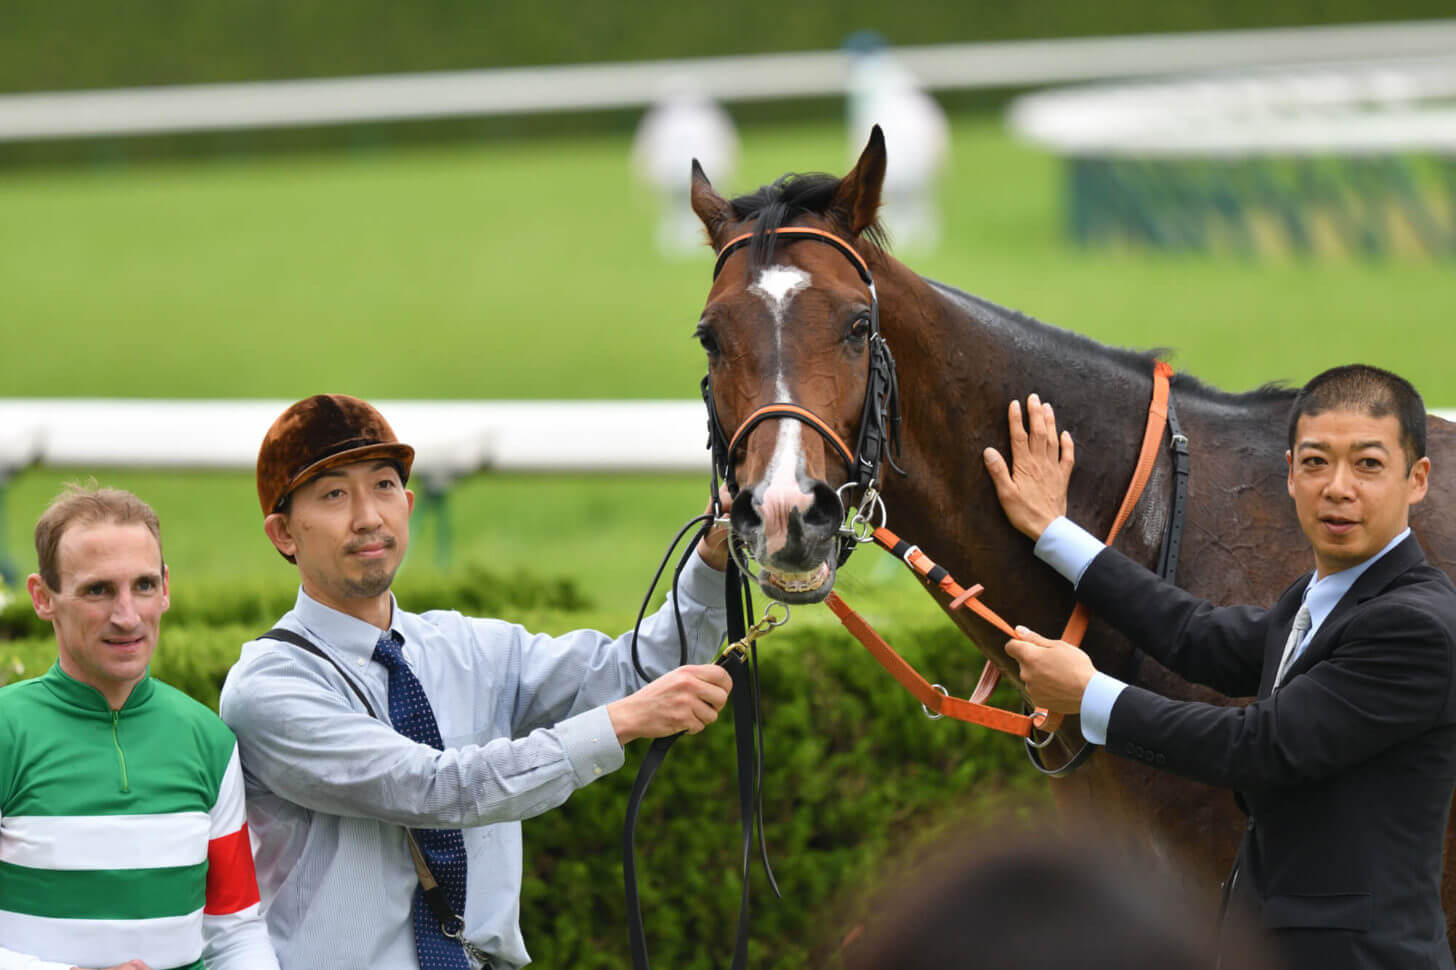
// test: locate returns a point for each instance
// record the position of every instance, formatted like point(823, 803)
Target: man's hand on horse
point(1033, 491)
point(714, 546)
point(1055, 672)
point(686, 699)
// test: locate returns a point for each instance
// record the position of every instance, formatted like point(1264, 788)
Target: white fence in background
point(526, 90)
point(452, 439)
point(1366, 107)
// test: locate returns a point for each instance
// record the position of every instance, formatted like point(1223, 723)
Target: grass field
point(527, 271)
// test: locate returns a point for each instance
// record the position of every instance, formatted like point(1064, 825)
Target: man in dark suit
point(1346, 760)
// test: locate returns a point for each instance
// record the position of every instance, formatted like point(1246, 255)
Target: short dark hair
point(1360, 387)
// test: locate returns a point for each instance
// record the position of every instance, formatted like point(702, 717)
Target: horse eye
point(859, 330)
point(706, 338)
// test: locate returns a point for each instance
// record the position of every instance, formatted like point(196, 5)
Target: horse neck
point(960, 363)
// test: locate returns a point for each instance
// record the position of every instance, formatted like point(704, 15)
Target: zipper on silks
point(120, 754)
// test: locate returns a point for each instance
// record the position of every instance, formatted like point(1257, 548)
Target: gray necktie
point(1296, 634)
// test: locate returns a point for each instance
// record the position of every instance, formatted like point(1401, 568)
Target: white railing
point(1368, 107)
point(452, 439)
point(526, 90)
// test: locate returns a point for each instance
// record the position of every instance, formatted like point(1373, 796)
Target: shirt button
point(361, 661)
point(596, 769)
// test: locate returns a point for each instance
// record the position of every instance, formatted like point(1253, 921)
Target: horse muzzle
point(793, 539)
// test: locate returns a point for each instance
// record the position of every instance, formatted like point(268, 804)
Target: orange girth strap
point(975, 711)
point(1147, 457)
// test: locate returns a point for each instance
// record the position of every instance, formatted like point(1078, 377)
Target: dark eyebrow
point(1358, 446)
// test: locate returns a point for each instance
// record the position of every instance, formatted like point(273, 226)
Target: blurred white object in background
point(683, 124)
point(883, 92)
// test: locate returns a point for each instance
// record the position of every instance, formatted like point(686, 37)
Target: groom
point(1346, 760)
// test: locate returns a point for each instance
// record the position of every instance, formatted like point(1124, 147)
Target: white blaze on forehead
point(776, 286)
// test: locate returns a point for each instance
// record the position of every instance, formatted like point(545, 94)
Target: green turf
point(527, 270)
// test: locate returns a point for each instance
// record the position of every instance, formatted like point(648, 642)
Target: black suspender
point(451, 924)
point(288, 636)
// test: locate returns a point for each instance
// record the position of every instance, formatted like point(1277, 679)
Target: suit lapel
point(1281, 620)
point(1371, 583)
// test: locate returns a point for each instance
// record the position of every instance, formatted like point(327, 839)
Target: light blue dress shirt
point(330, 790)
point(1070, 549)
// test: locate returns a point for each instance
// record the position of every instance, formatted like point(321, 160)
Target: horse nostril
point(743, 515)
point(825, 512)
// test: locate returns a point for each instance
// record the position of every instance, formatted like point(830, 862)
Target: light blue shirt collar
point(340, 630)
point(1323, 595)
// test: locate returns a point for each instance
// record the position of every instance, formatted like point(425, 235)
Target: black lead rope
point(748, 741)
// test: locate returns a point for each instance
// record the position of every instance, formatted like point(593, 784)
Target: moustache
point(387, 541)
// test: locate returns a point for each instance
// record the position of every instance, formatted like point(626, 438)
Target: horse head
point(796, 364)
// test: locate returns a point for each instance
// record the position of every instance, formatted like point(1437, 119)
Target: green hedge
point(471, 588)
point(854, 776)
point(98, 43)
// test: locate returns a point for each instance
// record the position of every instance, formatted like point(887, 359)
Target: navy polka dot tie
point(444, 849)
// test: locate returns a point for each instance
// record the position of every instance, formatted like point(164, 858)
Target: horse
point(789, 321)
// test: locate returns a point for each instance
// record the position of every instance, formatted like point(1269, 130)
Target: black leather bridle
point(879, 425)
point(879, 442)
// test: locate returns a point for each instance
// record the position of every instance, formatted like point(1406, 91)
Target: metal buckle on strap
point(478, 957)
point(1047, 739)
point(935, 715)
point(766, 623)
point(869, 514)
point(908, 553)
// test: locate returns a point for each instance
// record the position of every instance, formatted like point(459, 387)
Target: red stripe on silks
point(231, 883)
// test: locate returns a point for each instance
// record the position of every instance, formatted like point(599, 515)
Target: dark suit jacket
point(1346, 771)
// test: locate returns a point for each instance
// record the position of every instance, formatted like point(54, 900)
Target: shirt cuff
point(702, 583)
point(1068, 548)
point(1097, 700)
point(591, 744)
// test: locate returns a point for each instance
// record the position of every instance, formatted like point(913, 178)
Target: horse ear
point(858, 197)
point(711, 208)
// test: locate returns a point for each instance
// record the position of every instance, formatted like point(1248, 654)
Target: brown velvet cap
point(319, 433)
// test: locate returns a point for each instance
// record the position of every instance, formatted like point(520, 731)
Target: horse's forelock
point(793, 195)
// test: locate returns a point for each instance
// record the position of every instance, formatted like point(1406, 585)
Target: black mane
point(1138, 361)
point(789, 197)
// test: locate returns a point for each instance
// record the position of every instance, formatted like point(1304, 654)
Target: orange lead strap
point(923, 691)
point(974, 711)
